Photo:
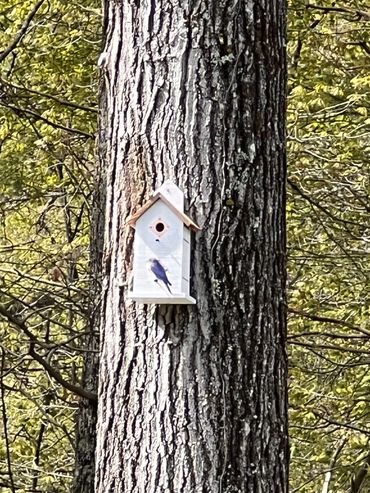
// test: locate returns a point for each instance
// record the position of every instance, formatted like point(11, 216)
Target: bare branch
point(319, 206)
point(331, 347)
point(20, 325)
point(340, 424)
point(358, 479)
point(318, 318)
point(339, 335)
point(360, 13)
point(36, 476)
point(64, 102)
point(22, 32)
point(329, 472)
point(21, 112)
point(86, 394)
point(5, 423)
point(51, 371)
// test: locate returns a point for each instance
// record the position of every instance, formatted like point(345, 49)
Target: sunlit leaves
point(328, 247)
point(48, 118)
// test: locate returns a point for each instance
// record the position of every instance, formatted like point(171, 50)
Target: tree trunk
point(193, 398)
point(84, 470)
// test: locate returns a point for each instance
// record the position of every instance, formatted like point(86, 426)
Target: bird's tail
point(168, 284)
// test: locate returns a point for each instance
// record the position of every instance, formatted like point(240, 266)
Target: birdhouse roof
point(131, 221)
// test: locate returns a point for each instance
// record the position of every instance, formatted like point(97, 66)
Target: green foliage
point(328, 218)
point(48, 119)
point(47, 124)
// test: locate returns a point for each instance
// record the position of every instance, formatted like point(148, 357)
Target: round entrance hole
point(159, 227)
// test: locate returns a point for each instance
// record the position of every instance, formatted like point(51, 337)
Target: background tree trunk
point(84, 470)
point(193, 398)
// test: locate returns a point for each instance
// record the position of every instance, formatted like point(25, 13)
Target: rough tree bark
point(86, 423)
point(193, 398)
point(84, 470)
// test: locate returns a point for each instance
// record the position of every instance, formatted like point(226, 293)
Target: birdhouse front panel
point(161, 266)
point(158, 253)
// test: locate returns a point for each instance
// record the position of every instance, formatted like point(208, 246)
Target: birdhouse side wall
point(186, 249)
point(158, 246)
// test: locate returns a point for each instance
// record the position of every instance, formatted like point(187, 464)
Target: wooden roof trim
point(131, 221)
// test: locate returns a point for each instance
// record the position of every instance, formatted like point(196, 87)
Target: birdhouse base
point(149, 299)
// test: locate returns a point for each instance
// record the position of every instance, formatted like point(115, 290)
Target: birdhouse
point(161, 267)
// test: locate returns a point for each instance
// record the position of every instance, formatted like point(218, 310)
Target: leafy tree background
point(48, 93)
point(328, 245)
point(48, 85)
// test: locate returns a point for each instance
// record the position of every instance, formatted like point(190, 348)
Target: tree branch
point(318, 318)
point(362, 44)
point(19, 324)
point(339, 335)
point(340, 424)
point(5, 423)
point(357, 480)
point(37, 116)
point(64, 102)
point(346, 10)
point(21, 32)
point(319, 206)
point(91, 396)
point(331, 347)
point(329, 472)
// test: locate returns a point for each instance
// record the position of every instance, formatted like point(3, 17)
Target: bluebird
point(160, 273)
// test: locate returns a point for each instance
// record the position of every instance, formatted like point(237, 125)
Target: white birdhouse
point(161, 269)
